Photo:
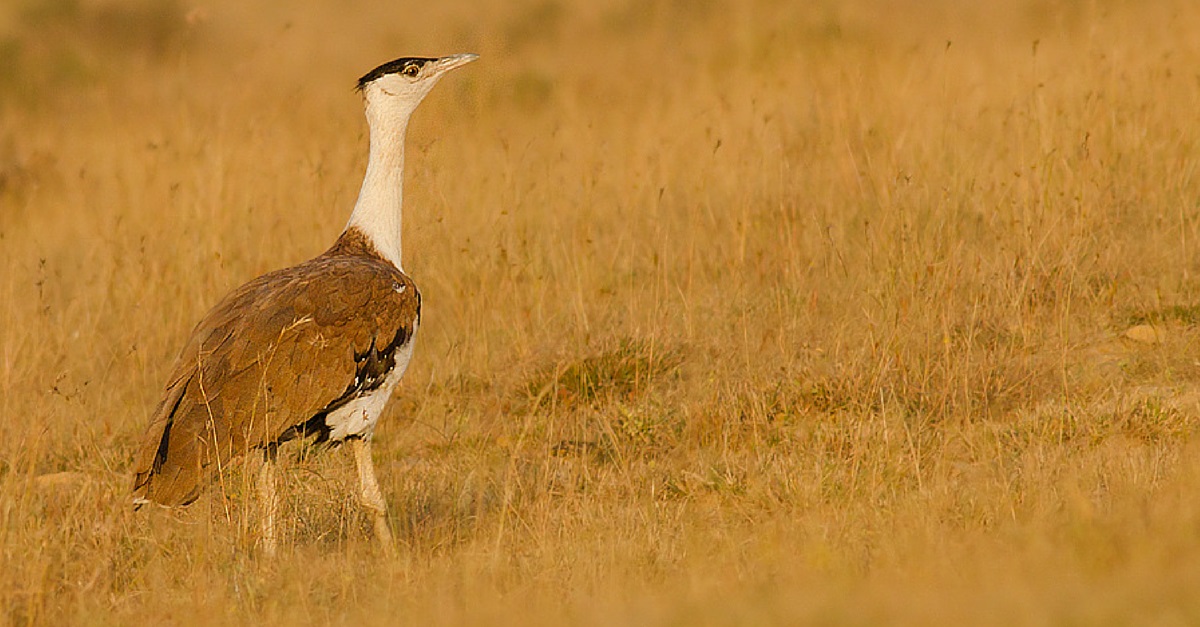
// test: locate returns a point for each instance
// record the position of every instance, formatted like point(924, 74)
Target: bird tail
point(170, 464)
point(168, 484)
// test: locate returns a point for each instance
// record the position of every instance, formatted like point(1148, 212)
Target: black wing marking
point(371, 370)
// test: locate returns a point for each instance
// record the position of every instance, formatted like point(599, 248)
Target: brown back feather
point(273, 353)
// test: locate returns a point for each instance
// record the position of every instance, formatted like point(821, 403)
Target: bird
point(310, 351)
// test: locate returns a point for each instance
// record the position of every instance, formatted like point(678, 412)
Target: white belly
point(359, 416)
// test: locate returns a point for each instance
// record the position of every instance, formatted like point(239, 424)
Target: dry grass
point(736, 312)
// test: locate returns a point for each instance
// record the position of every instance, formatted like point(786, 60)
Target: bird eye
point(411, 71)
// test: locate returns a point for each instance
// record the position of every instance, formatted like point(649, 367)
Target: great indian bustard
point(311, 350)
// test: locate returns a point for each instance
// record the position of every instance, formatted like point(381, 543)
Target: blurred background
point(858, 312)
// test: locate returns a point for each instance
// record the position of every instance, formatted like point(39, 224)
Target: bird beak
point(445, 64)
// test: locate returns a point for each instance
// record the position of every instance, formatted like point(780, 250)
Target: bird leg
point(371, 497)
point(266, 496)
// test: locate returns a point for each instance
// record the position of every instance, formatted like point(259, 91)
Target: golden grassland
point(863, 312)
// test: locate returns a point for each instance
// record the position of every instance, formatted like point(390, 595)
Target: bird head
point(394, 89)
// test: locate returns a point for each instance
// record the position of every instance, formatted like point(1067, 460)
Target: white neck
point(377, 212)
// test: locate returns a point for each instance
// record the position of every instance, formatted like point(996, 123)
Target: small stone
point(60, 479)
point(1144, 334)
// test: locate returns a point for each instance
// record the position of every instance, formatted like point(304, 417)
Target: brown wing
point(270, 356)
